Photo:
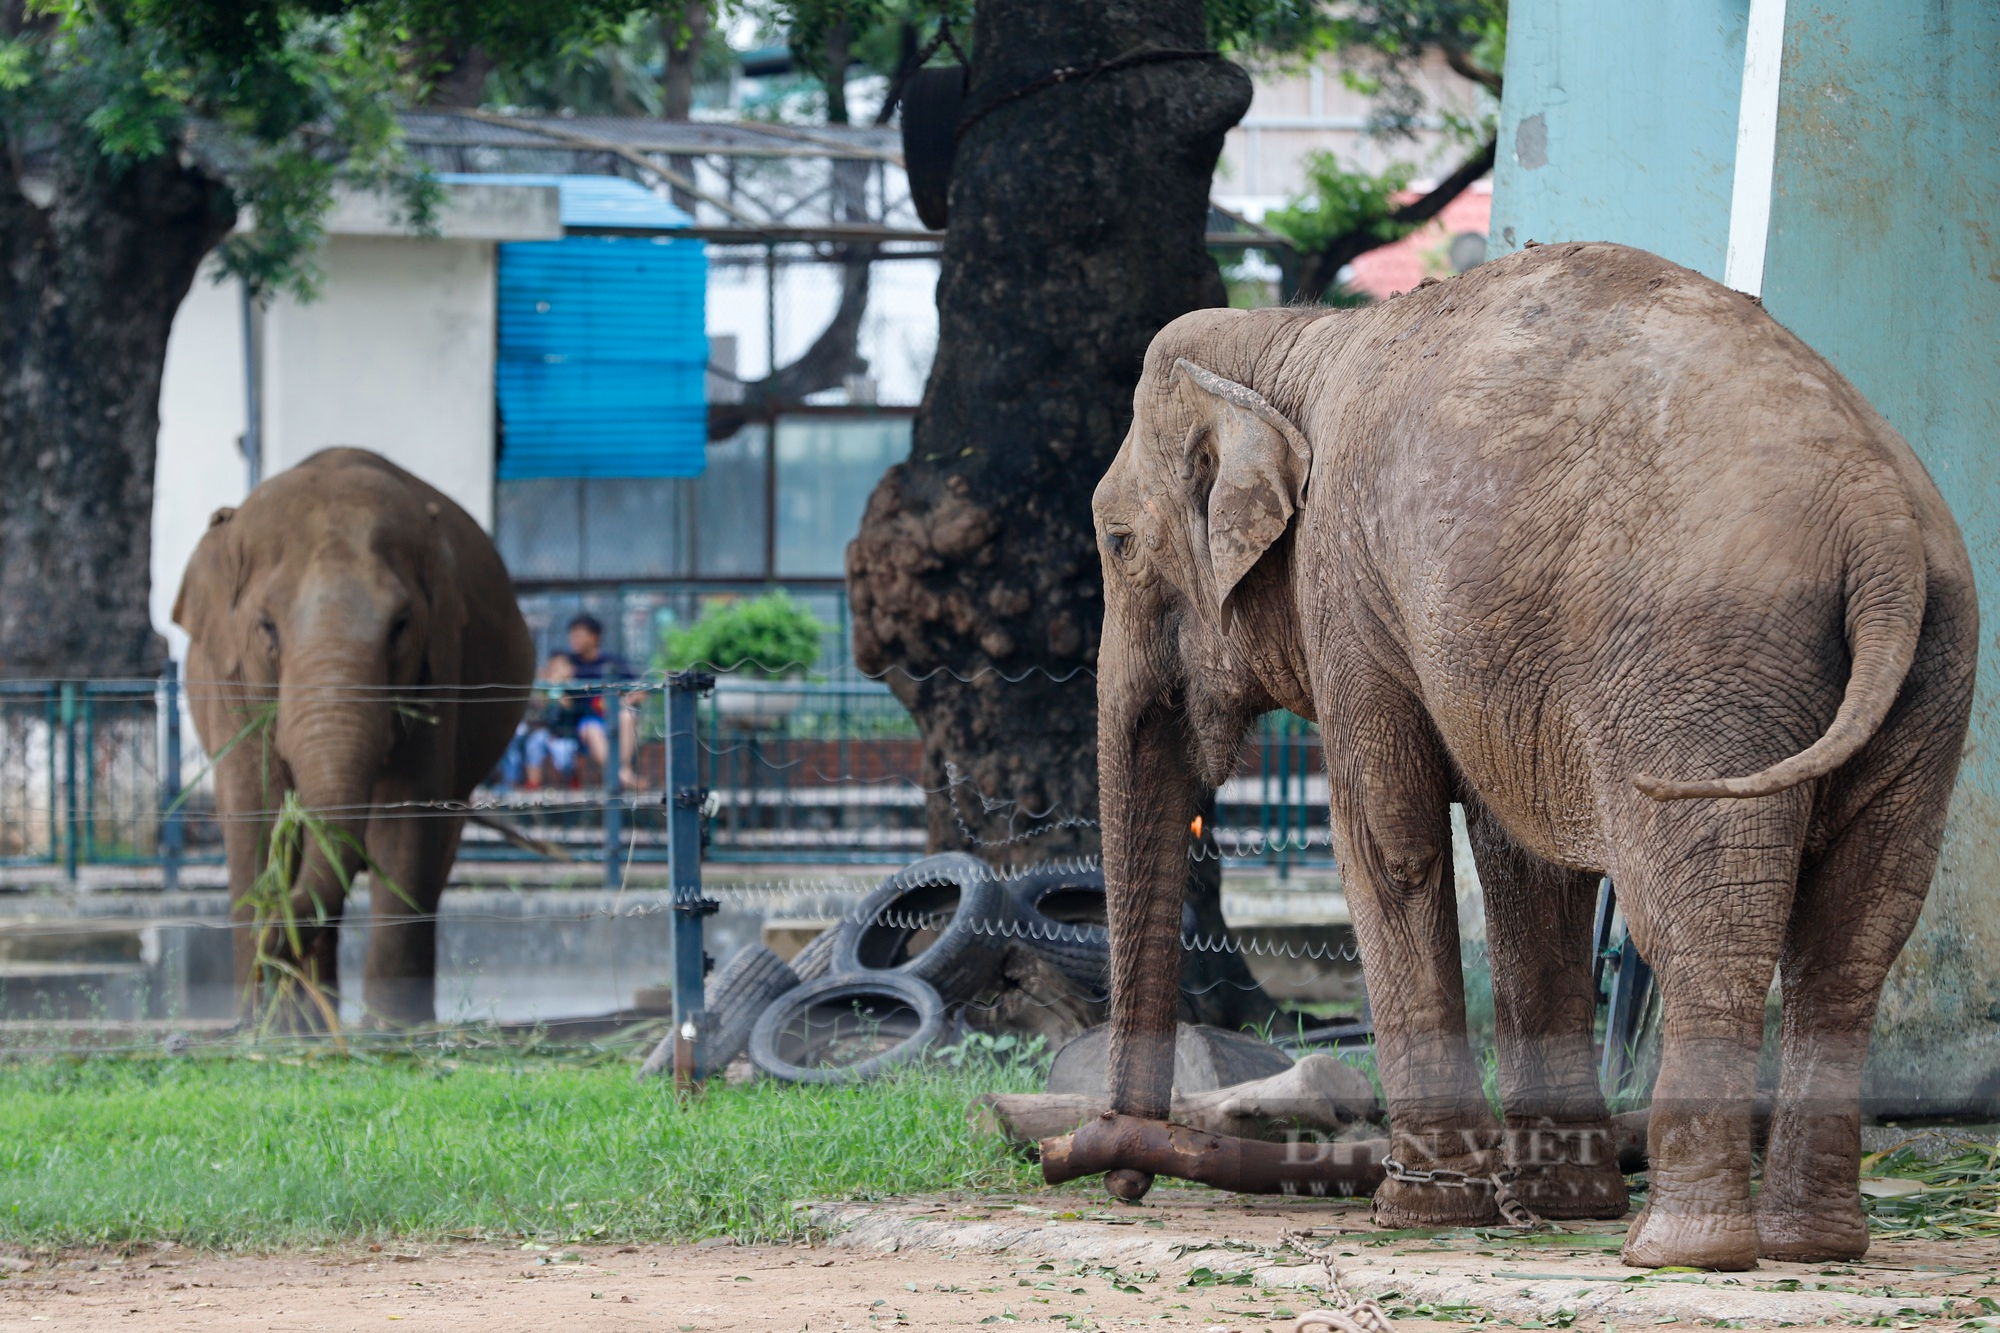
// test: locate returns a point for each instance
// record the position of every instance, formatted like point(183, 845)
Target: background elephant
point(1567, 539)
point(377, 620)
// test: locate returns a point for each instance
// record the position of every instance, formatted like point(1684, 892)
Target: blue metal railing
point(104, 773)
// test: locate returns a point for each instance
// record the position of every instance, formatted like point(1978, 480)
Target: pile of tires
point(879, 988)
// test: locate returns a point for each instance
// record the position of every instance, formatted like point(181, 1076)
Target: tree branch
point(825, 365)
point(1461, 65)
point(1319, 268)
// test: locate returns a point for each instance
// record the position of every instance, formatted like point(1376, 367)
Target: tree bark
point(839, 41)
point(88, 289)
point(683, 30)
point(462, 80)
point(1319, 269)
point(1078, 212)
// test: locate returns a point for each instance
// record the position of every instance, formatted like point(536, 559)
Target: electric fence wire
point(650, 682)
point(1243, 943)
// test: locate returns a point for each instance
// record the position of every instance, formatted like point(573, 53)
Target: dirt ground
point(503, 1290)
point(942, 1264)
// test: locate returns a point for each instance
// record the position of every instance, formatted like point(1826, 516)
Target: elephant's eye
point(269, 630)
point(397, 629)
point(1118, 541)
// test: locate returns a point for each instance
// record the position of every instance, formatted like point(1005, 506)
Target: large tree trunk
point(683, 29)
point(88, 290)
point(1077, 219)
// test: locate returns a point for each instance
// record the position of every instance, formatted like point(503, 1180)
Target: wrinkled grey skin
point(1594, 546)
point(378, 617)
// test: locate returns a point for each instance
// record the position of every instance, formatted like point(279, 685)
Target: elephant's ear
point(1261, 465)
point(216, 574)
point(444, 650)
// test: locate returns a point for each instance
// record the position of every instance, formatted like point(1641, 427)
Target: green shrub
point(770, 636)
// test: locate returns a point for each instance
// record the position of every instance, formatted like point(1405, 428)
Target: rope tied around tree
point(1075, 73)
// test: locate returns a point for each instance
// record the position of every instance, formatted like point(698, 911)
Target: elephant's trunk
point(1148, 796)
point(334, 732)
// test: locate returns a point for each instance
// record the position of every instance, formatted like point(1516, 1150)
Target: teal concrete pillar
point(1840, 158)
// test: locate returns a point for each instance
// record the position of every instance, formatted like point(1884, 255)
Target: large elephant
point(1573, 539)
point(355, 638)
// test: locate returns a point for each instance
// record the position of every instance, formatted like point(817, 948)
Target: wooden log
point(1318, 1094)
point(1132, 1150)
point(1129, 1146)
point(1029, 1117)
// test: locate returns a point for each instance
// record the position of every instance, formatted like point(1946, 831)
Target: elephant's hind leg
point(1538, 924)
point(1857, 903)
point(1708, 887)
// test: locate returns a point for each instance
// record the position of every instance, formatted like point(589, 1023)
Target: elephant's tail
point(1886, 586)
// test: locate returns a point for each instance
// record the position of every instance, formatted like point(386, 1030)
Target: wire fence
point(111, 775)
point(559, 910)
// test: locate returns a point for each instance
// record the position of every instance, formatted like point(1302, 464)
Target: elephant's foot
point(1809, 1208)
point(1832, 1227)
point(1566, 1192)
point(1461, 1196)
point(1724, 1239)
point(1567, 1172)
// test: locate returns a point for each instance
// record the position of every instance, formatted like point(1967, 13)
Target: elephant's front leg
point(1538, 926)
point(243, 801)
point(1391, 818)
point(411, 850)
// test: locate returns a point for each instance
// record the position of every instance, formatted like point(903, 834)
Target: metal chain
point(1349, 1313)
point(1361, 1315)
point(1512, 1208)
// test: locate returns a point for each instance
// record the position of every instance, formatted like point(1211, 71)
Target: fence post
point(614, 792)
point(684, 800)
point(1631, 990)
point(72, 816)
point(171, 829)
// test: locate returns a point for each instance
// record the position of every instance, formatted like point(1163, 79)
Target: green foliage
point(619, 75)
point(104, 87)
point(982, 1050)
point(1276, 27)
point(239, 32)
point(267, 1151)
point(281, 101)
point(1339, 203)
point(1932, 1188)
point(1386, 39)
point(769, 636)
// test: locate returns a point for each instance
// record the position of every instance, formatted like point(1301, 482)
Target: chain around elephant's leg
point(1393, 822)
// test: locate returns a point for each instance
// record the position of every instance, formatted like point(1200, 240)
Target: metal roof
point(591, 201)
point(732, 138)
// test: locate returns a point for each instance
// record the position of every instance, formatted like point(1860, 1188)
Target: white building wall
point(396, 355)
point(200, 465)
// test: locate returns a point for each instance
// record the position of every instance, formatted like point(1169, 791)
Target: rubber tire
point(836, 990)
point(816, 959)
point(735, 997)
point(1080, 952)
point(963, 962)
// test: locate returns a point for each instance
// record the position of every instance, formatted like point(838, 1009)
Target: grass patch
point(254, 1153)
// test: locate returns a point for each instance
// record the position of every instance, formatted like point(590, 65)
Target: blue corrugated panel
point(602, 352)
point(590, 201)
